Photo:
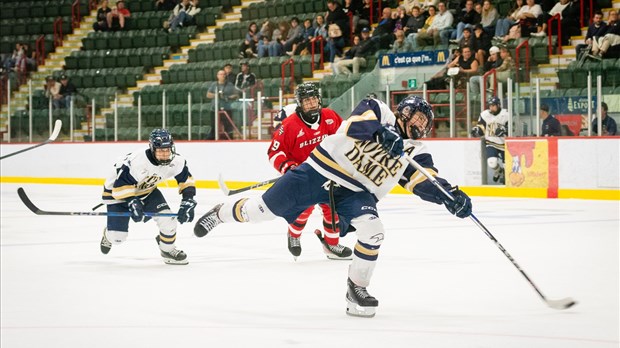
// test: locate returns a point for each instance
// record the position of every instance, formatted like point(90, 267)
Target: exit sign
point(412, 83)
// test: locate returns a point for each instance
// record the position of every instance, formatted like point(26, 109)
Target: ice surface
point(439, 280)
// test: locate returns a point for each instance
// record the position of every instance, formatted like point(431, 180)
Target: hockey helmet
point(302, 92)
point(416, 116)
point(495, 101)
point(161, 139)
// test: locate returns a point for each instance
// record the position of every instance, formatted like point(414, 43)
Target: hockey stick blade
point(28, 203)
point(229, 192)
point(564, 303)
point(53, 136)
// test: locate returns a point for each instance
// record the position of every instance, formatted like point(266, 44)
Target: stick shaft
point(229, 192)
point(55, 132)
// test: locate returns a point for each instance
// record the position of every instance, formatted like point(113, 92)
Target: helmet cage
point(161, 139)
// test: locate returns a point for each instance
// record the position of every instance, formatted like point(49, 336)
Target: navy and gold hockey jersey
point(137, 175)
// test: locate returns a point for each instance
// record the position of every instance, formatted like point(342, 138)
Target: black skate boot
point(207, 222)
point(105, 243)
point(334, 252)
point(294, 245)
point(359, 302)
point(498, 175)
point(173, 257)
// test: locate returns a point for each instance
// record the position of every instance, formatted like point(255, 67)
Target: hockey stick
point(36, 210)
point(229, 192)
point(555, 304)
point(52, 137)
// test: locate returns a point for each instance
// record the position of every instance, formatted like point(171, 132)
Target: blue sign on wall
point(409, 59)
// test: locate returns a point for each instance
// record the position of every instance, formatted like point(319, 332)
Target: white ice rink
point(440, 281)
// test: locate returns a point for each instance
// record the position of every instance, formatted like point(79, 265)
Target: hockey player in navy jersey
point(493, 125)
point(132, 186)
point(354, 168)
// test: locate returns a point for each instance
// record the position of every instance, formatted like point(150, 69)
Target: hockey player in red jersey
point(291, 145)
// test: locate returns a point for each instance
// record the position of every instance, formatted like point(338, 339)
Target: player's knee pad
point(116, 237)
point(492, 162)
point(167, 225)
point(369, 229)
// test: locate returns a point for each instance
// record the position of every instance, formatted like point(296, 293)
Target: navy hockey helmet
point(303, 91)
point(414, 125)
point(161, 139)
point(495, 101)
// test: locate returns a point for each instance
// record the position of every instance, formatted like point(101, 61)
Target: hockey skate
point(294, 245)
point(105, 243)
point(334, 252)
point(207, 222)
point(498, 175)
point(173, 257)
point(359, 302)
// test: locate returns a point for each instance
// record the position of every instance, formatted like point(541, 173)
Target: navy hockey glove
point(476, 132)
point(460, 206)
point(136, 208)
point(501, 131)
point(391, 141)
point(186, 211)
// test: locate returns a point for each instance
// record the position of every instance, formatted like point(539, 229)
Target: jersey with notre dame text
point(353, 159)
point(489, 124)
point(294, 141)
point(137, 174)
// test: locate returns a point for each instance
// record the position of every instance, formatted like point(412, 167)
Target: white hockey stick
point(229, 192)
point(52, 137)
point(555, 304)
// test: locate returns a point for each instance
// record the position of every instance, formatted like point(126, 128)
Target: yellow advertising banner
point(527, 163)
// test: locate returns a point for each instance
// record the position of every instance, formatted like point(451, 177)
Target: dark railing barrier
point(525, 44)
point(484, 85)
point(58, 32)
point(558, 18)
point(313, 42)
point(76, 17)
point(40, 50)
point(291, 65)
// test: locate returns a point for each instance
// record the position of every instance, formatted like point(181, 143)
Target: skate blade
point(175, 262)
point(335, 257)
point(355, 310)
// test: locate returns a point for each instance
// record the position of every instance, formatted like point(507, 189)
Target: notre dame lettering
point(149, 182)
point(372, 161)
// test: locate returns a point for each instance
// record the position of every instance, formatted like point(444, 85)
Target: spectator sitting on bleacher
point(467, 40)
point(442, 22)
point(400, 45)
point(412, 37)
point(423, 5)
point(303, 45)
point(117, 18)
point(66, 92)
point(226, 94)
point(52, 89)
point(337, 24)
point(481, 44)
point(264, 37)
point(352, 8)
point(400, 18)
point(30, 56)
point(503, 25)
point(415, 21)
point(608, 124)
point(467, 66)
point(165, 5)
point(438, 81)
point(611, 37)
point(493, 62)
point(276, 45)
point(294, 36)
point(595, 30)
point(468, 18)
point(488, 17)
point(101, 21)
point(569, 21)
point(382, 36)
point(245, 79)
point(184, 15)
point(15, 58)
point(249, 46)
point(231, 77)
point(355, 56)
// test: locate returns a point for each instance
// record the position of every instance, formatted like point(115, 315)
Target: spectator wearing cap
point(245, 79)
point(550, 125)
point(52, 89)
point(355, 57)
point(66, 92)
point(608, 124)
point(481, 44)
point(493, 62)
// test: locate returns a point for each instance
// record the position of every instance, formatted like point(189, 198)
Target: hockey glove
point(391, 141)
point(501, 131)
point(136, 208)
point(186, 211)
point(460, 206)
point(286, 166)
point(476, 132)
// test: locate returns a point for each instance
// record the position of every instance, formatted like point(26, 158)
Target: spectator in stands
point(15, 58)
point(52, 90)
point(249, 46)
point(438, 81)
point(468, 19)
point(423, 5)
point(608, 123)
point(432, 11)
point(550, 125)
point(505, 70)
point(65, 94)
point(352, 8)
point(611, 37)
point(467, 40)
point(165, 5)
point(400, 45)
point(385, 28)
point(245, 79)
point(337, 29)
point(30, 61)
point(264, 38)
point(442, 22)
point(481, 44)
point(320, 26)
point(355, 57)
point(415, 22)
point(467, 67)
point(294, 36)
point(303, 45)
point(226, 95)
point(569, 20)
point(230, 75)
point(493, 62)
point(118, 17)
point(488, 17)
point(364, 15)
point(101, 20)
point(400, 18)
point(185, 15)
point(595, 30)
point(276, 45)
point(528, 18)
point(503, 25)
